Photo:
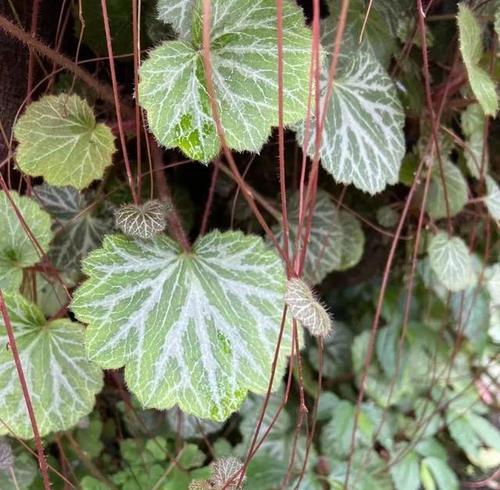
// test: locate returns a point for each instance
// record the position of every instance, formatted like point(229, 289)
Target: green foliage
point(471, 47)
point(222, 304)
point(60, 140)
point(245, 76)
point(61, 381)
point(17, 249)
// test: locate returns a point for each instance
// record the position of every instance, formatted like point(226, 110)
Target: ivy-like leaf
point(362, 141)
point(492, 198)
point(471, 47)
point(195, 329)
point(16, 248)
point(61, 381)
point(79, 226)
point(451, 261)
point(336, 240)
point(456, 191)
point(244, 59)
point(60, 140)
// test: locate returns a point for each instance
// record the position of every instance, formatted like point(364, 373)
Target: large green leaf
point(336, 240)
point(471, 47)
point(405, 473)
point(61, 381)
point(16, 248)
point(79, 225)
point(451, 261)
point(195, 329)
point(244, 59)
point(60, 140)
point(456, 191)
point(362, 141)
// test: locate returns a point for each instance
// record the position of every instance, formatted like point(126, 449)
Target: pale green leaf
point(60, 140)
point(336, 240)
point(471, 47)
point(456, 191)
point(451, 261)
point(362, 141)
point(492, 198)
point(61, 381)
point(16, 248)
point(244, 58)
point(443, 475)
point(179, 14)
point(79, 225)
point(195, 329)
point(492, 277)
point(473, 121)
point(17, 467)
point(190, 427)
point(387, 217)
point(405, 473)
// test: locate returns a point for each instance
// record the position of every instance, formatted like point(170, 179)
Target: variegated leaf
point(451, 261)
point(244, 59)
point(456, 191)
point(79, 226)
point(195, 329)
point(61, 381)
point(179, 14)
point(362, 141)
point(492, 198)
point(16, 248)
point(336, 240)
point(60, 140)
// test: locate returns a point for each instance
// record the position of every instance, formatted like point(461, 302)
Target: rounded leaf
point(143, 220)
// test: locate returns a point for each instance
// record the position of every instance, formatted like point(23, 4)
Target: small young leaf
point(306, 309)
point(79, 225)
point(61, 381)
point(456, 191)
point(142, 221)
point(244, 59)
point(6, 455)
point(16, 248)
point(226, 473)
point(442, 473)
point(195, 329)
point(362, 141)
point(451, 261)
point(471, 47)
point(60, 140)
point(492, 198)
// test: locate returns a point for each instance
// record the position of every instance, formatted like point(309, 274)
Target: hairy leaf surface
point(195, 329)
point(244, 59)
point(60, 140)
point(16, 249)
point(61, 381)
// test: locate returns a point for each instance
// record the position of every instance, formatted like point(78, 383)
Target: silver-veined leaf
point(245, 74)
point(471, 47)
point(60, 140)
point(492, 198)
point(61, 381)
point(195, 329)
point(79, 225)
point(179, 14)
point(362, 141)
point(456, 191)
point(16, 248)
point(473, 121)
point(451, 261)
point(336, 240)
